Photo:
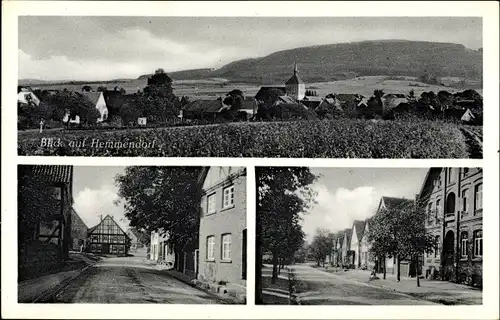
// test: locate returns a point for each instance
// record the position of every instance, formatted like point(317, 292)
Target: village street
point(129, 280)
point(319, 287)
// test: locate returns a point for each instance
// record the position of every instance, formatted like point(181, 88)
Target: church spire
point(295, 70)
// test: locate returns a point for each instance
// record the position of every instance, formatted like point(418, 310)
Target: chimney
point(100, 216)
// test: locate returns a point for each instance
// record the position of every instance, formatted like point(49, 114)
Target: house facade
point(358, 227)
point(223, 234)
point(160, 250)
point(97, 99)
point(108, 238)
point(134, 243)
point(78, 232)
point(44, 243)
point(453, 198)
point(367, 259)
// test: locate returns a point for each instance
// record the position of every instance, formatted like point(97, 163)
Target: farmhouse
point(223, 233)
point(78, 232)
point(203, 109)
point(453, 198)
point(97, 99)
point(108, 238)
point(45, 244)
point(27, 97)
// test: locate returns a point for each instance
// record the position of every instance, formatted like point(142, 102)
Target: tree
point(102, 89)
point(321, 245)
point(162, 198)
point(87, 88)
point(282, 195)
point(414, 239)
point(400, 232)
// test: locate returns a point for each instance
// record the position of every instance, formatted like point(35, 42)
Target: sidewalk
point(443, 292)
point(230, 292)
point(41, 288)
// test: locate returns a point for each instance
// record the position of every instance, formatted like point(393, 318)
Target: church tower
point(295, 87)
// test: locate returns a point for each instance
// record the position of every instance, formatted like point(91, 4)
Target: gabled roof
point(360, 228)
point(76, 217)
point(91, 96)
point(428, 176)
point(54, 173)
point(25, 96)
point(212, 106)
point(287, 99)
point(110, 217)
point(392, 203)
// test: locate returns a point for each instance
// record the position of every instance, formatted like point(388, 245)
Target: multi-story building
point(453, 198)
point(108, 238)
point(223, 233)
point(44, 235)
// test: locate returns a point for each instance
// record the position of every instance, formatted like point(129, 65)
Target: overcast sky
point(348, 194)
point(94, 192)
point(105, 48)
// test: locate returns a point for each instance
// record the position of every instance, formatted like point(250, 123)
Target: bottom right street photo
point(369, 236)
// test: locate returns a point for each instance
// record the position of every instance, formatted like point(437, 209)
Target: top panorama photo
point(265, 87)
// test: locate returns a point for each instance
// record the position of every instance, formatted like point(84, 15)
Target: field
point(345, 138)
point(213, 88)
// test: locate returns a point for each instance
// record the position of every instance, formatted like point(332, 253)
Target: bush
point(344, 138)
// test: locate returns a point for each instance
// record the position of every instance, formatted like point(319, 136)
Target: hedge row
point(301, 139)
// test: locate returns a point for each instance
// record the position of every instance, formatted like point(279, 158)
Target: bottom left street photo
point(137, 234)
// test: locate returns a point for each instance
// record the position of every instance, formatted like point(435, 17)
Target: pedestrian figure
point(41, 125)
point(373, 275)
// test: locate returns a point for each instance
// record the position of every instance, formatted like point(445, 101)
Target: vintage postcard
point(244, 159)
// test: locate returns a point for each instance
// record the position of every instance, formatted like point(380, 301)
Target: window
point(228, 199)
point(226, 246)
point(466, 171)
point(465, 204)
point(438, 209)
point(429, 213)
point(464, 239)
point(478, 198)
point(478, 243)
point(211, 203)
point(210, 248)
point(438, 245)
point(451, 178)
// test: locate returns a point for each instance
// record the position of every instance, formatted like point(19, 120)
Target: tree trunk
point(416, 272)
point(385, 270)
point(399, 268)
point(258, 258)
point(275, 268)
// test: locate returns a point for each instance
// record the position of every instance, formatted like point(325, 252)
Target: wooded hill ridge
point(331, 62)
